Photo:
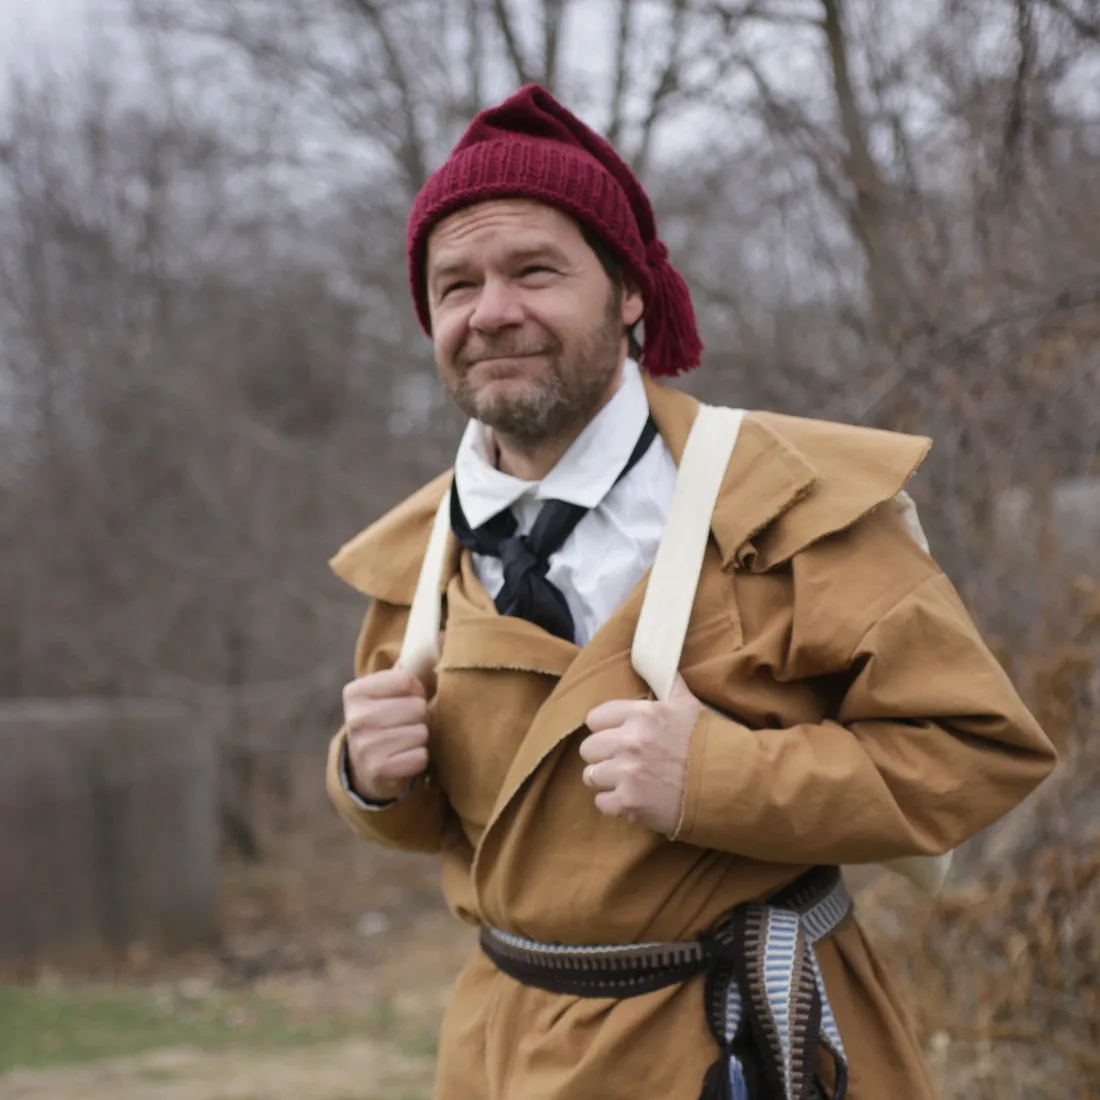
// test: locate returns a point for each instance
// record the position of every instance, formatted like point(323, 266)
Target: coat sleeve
point(416, 821)
point(928, 744)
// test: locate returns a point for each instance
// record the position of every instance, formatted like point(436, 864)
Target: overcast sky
point(47, 37)
point(29, 26)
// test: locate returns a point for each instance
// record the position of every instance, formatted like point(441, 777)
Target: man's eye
point(458, 284)
point(536, 269)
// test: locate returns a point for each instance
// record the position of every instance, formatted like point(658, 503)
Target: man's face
point(529, 331)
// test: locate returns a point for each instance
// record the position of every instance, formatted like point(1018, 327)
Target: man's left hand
point(637, 757)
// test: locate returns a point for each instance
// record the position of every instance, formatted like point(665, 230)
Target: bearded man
point(656, 880)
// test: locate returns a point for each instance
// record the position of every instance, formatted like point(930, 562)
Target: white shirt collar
point(582, 476)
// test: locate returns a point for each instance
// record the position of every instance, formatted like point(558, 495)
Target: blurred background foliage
point(211, 377)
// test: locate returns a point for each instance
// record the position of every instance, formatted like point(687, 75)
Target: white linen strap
point(420, 647)
point(670, 592)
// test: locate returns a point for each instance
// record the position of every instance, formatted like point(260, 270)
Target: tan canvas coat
point(866, 720)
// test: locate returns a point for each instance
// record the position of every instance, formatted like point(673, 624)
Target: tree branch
point(473, 55)
point(1084, 27)
point(1016, 120)
point(411, 153)
point(515, 52)
point(882, 77)
point(667, 83)
point(552, 14)
point(861, 168)
point(732, 14)
point(786, 123)
point(618, 93)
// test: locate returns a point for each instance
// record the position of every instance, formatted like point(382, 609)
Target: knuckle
point(411, 738)
point(404, 765)
point(361, 686)
point(353, 700)
point(360, 741)
point(361, 722)
point(388, 769)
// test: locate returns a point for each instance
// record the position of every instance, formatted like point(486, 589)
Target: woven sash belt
point(765, 999)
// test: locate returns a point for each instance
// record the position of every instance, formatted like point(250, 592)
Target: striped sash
point(765, 999)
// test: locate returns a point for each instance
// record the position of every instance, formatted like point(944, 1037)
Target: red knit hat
point(530, 146)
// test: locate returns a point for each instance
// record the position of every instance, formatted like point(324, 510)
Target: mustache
point(502, 349)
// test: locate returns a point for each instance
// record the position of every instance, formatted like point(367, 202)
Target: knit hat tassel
point(672, 342)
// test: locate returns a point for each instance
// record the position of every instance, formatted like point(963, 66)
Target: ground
point(324, 1071)
point(336, 964)
point(329, 986)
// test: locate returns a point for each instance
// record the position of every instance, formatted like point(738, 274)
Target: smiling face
point(528, 328)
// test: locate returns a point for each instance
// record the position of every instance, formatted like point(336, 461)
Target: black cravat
point(527, 594)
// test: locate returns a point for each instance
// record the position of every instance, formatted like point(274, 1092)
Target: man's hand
point(386, 715)
point(637, 757)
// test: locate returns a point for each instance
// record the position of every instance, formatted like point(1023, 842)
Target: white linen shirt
point(611, 548)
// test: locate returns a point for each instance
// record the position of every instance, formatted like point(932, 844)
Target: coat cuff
point(358, 799)
point(714, 742)
point(413, 822)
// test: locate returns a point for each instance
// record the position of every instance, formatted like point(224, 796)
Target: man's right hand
point(386, 716)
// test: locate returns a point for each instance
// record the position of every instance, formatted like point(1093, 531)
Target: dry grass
point(1004, 977)
point(363, 1068)
point(1003, 970)
point(330, 985)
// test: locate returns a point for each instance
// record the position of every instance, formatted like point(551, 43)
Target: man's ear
point(632, 307)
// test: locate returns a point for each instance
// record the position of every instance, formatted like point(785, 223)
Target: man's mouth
point(507, 358)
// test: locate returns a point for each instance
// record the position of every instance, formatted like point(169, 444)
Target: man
point(835, 703)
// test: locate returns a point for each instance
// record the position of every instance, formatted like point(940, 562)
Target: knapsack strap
point(420, 647)
point(670, 591)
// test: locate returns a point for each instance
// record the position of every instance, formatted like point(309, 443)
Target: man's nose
point(498, 306)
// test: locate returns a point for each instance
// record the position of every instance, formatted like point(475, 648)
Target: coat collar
point(764, 478)
point(790, 482)
point(383, 561)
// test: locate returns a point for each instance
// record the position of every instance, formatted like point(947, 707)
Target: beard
point(562, 399)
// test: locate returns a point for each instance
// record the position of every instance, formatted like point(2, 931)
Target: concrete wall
point(1042, 543)
point(1065, 524)
point(108, 830)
